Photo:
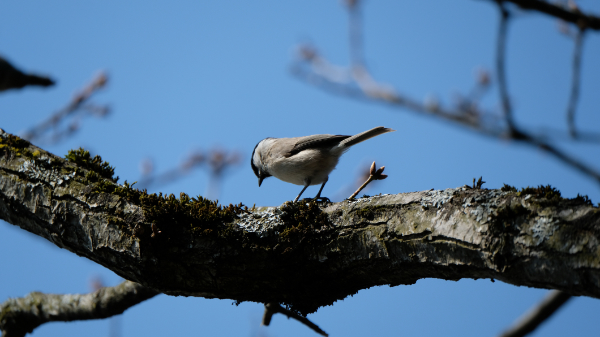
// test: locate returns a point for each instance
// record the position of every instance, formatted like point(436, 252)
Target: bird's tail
point(361, 137)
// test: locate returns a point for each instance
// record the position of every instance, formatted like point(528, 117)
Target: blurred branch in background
point(114, 322)
point(356, 82)
point(538, 314)
point(13, 78)
point(567, 11)
point(575, 80)
point(57, 127)
point(217, 160)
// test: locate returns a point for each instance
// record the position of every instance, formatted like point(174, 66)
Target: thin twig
point(314, 70)
point(273, 308)
point(564, 157)
point(462, 119)
point(537, 315)
point(500, 68)
point(355, 29)
point(374, 175)
point(217, 160)
point(575, 81)
point(77, 104)
point(192, 161)
point(361, 187)
point(392, 98)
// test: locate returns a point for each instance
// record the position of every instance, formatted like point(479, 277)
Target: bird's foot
point(318, 200)
point(322, 199)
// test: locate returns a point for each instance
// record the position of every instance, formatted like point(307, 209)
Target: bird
point(305, 160)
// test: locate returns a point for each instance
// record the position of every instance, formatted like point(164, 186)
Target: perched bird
point(304, 160)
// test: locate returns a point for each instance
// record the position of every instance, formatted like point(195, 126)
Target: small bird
point(304, 160)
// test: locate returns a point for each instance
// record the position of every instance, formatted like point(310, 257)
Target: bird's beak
point(260, 181)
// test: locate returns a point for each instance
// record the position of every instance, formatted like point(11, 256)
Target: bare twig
point(22, 315)
point(374, 175)
point(274, 308)
point(220, 160)
point(500, 69)
point(78, 104)
point(538, 314)
point(462, 118)
point(564, 157)
point(355, 29)
point(192, 161)
point(575, 81)
point(360, 177)
point(217, 160)
point(479, 183)
point(318, 71)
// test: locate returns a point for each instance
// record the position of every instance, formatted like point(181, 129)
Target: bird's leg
point(318, 197)
point(306, 184)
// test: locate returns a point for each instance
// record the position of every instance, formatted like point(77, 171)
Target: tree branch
point(301, 255)
point(500, 68)
point(79, 105)
point(316, 70)
point(274, 308)
point(575, 81)
point(13, 78)
point(537, 315)
point(19, 316)
point(473, 120)
point(569, 15)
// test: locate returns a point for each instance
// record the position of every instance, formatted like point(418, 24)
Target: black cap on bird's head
point(260, 173)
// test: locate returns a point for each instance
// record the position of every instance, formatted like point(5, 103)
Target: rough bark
point(302, 255)
point(19, 316)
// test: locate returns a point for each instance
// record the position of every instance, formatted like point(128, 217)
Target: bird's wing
point(315, 142)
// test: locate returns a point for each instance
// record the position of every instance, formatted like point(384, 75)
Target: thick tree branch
point(19, 316)
point(300, 254)
point(538, 314)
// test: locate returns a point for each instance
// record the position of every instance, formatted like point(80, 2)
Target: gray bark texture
point(301, 255)
point(19, 316)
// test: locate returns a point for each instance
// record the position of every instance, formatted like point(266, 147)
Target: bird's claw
point(322, 199)
point(319, 199)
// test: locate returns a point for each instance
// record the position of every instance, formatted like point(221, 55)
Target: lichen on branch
point(303, 256)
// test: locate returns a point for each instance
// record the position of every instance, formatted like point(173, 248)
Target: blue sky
point(194, 75)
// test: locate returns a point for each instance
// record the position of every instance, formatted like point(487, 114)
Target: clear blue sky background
point(191, 75)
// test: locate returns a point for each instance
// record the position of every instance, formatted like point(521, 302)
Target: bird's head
point(260, 170)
